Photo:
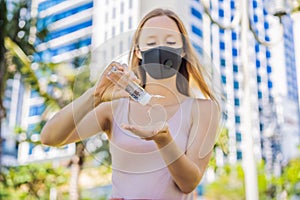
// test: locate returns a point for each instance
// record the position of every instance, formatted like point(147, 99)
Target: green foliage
point(32, 181)
point(222, 143)
point(229, 183)
point(296, 6)
point(81, 82)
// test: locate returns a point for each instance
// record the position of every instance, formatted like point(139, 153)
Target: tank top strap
point(188, 110)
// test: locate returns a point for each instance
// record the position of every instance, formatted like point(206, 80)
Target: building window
point(223, 62)
point(114, 13)
point(232, 5)
point(112, 52)
point(34, 93)
point(236, 101)
point(237, 119)
point(36, 110)
point(197, 31)
point(222, 45)
point(106, 17)
point(121, 27)
point(113, 31)
point(234, 35)
point(255, 4)
point(235, 68)
point(270, 84)
point(268, 54)
point(31, 127)
point(121, 47)
point(269, 69)
point(256, 48)
point(130, 4)
point(266, 25)
point(259, 79)
point(261, 127)
point(255, 18)
point(257, 62)
point(239, 155)
point(267, 38)
point(122, 7)
point(223, 79)
point(129, 22)
point(259, 94)
point(236, 85)
point(238, 136)
point(105, 36)
point(234, 51)
point(221, 13)
point(196, 13)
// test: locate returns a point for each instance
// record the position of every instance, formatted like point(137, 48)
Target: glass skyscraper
point(67, 28)
point(224, 47)
point(64, 32)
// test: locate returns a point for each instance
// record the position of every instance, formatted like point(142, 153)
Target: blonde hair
point(190, 69)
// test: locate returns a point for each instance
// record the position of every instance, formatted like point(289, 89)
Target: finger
point(120, 94)
point(128, 127)
point(113, 64)
point(103, 84)
point(125, 66)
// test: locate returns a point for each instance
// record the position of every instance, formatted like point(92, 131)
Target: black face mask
point(162, 62)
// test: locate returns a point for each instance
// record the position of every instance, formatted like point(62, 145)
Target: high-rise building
point(224, 46)
point(65, 29)
point(13, 92)
point(289, 93)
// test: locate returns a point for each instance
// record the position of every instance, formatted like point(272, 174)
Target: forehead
point(160, 25)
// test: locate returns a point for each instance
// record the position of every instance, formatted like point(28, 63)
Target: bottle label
point(135, 91)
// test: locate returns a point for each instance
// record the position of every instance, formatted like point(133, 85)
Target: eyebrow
point(154, 36)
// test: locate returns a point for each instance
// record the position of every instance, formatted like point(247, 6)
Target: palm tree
point(3, 23)
point(15, 51)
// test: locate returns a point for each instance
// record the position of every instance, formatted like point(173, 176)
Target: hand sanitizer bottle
point(123, 81)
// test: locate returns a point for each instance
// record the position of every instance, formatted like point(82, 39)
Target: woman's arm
point(62, 125)
point(96, 121)
point(188, 168)
point(60, 129)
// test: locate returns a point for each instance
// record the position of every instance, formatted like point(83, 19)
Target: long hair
point(190, 68)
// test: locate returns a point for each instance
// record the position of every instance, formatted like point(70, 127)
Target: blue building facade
point(63, 35)
point(64, 32)
point(66, 29)
point(225, 52)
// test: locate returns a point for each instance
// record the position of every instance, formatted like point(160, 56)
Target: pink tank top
point(138, 170)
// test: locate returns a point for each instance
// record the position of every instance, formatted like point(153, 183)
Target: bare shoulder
point(205, 109)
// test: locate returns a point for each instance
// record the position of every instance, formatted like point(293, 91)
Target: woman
point(161, 150)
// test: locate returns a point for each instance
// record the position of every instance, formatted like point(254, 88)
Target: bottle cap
point(145, 99)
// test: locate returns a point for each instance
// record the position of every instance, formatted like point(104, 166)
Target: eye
point(171, 43)
point(151, 43)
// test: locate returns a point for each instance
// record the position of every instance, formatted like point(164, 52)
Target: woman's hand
point(158, 132)
point(105, 90)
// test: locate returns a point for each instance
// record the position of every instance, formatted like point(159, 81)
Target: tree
point(33, 181)
point(3, 22)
